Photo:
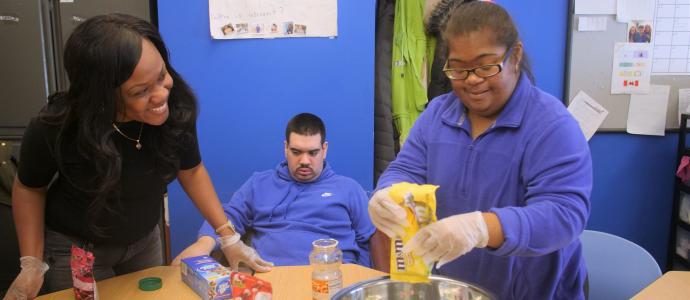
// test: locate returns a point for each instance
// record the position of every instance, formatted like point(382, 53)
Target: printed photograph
point(300, 29)
point(242, 28)
point(257, 28)
point(288, 27)
point(640, 32)
point(227, 29)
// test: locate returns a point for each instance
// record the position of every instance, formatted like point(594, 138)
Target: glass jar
point(326, 277)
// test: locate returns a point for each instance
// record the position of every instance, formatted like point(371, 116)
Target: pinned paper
point(588, 113)
point(591, 23)
point(595, 7)
point(632, 66)
point(647, 113)
point(672, 38)
point(242, 19)
point(628, 10)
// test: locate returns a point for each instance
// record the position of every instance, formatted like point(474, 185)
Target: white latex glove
point(448, 239)
point(386, 215)
point(29, 281)
point(236, 251)
point(203, 246)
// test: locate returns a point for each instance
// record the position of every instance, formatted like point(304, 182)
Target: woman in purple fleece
point(513, 166)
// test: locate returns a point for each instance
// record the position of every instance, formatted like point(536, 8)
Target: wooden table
point(670, 286)
point(289, 282)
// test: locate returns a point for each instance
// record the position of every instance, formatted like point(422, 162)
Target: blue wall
point(633, 188)
point(543, 27)
point(249, 89)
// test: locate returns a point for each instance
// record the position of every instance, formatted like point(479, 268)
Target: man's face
point(305, 155)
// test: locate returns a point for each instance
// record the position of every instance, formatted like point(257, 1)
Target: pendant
point(138, 145)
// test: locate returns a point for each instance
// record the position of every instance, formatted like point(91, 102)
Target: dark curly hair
point(100, 55)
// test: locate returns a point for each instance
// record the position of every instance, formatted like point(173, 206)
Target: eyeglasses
point(484, 71)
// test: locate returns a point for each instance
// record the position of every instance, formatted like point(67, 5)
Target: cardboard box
point(208, 278)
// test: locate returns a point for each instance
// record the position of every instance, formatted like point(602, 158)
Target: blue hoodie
point(285, 216)
point(532, 168)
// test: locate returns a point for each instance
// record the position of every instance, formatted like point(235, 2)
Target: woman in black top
point(96, 162)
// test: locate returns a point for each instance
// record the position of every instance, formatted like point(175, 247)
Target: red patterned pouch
point(83, 280)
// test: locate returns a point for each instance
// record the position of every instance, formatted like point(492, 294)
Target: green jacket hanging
point(413, 52)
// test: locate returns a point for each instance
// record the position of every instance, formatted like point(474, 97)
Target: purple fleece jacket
point(532, 168)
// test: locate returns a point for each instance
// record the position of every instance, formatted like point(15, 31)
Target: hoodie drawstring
point(292, 199)
point(287, 207)
point(270, 217)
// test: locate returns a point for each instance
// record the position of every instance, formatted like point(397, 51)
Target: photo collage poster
point(251, 19)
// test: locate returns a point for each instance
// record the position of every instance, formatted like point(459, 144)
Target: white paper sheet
point(588, 113)
point(595, 7)
point(591, 23)
point(683, 102)
point(628, 10)
point(632, 66)
point(672, 37)
point(243, 19)
point(647, 113)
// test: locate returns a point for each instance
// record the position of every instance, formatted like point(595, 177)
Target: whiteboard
point(589, 67)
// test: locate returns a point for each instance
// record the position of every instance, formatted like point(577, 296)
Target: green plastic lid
point(150, 283)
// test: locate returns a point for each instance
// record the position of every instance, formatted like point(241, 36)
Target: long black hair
point(471, 16)
point(100, 55)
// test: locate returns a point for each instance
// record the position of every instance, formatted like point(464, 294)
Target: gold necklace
point(138, 145)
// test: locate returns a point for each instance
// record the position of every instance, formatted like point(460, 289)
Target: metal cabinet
point(32, 35)
point(26, 62)
point(72, 13)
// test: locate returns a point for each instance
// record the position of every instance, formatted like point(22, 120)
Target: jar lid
point(150, 283)
point(325, 243)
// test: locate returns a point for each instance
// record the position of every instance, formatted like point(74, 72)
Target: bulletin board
point(589, 67)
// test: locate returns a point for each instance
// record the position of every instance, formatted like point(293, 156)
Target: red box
point(248, 287)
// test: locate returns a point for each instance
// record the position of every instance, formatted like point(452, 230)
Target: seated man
point(289, 207)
